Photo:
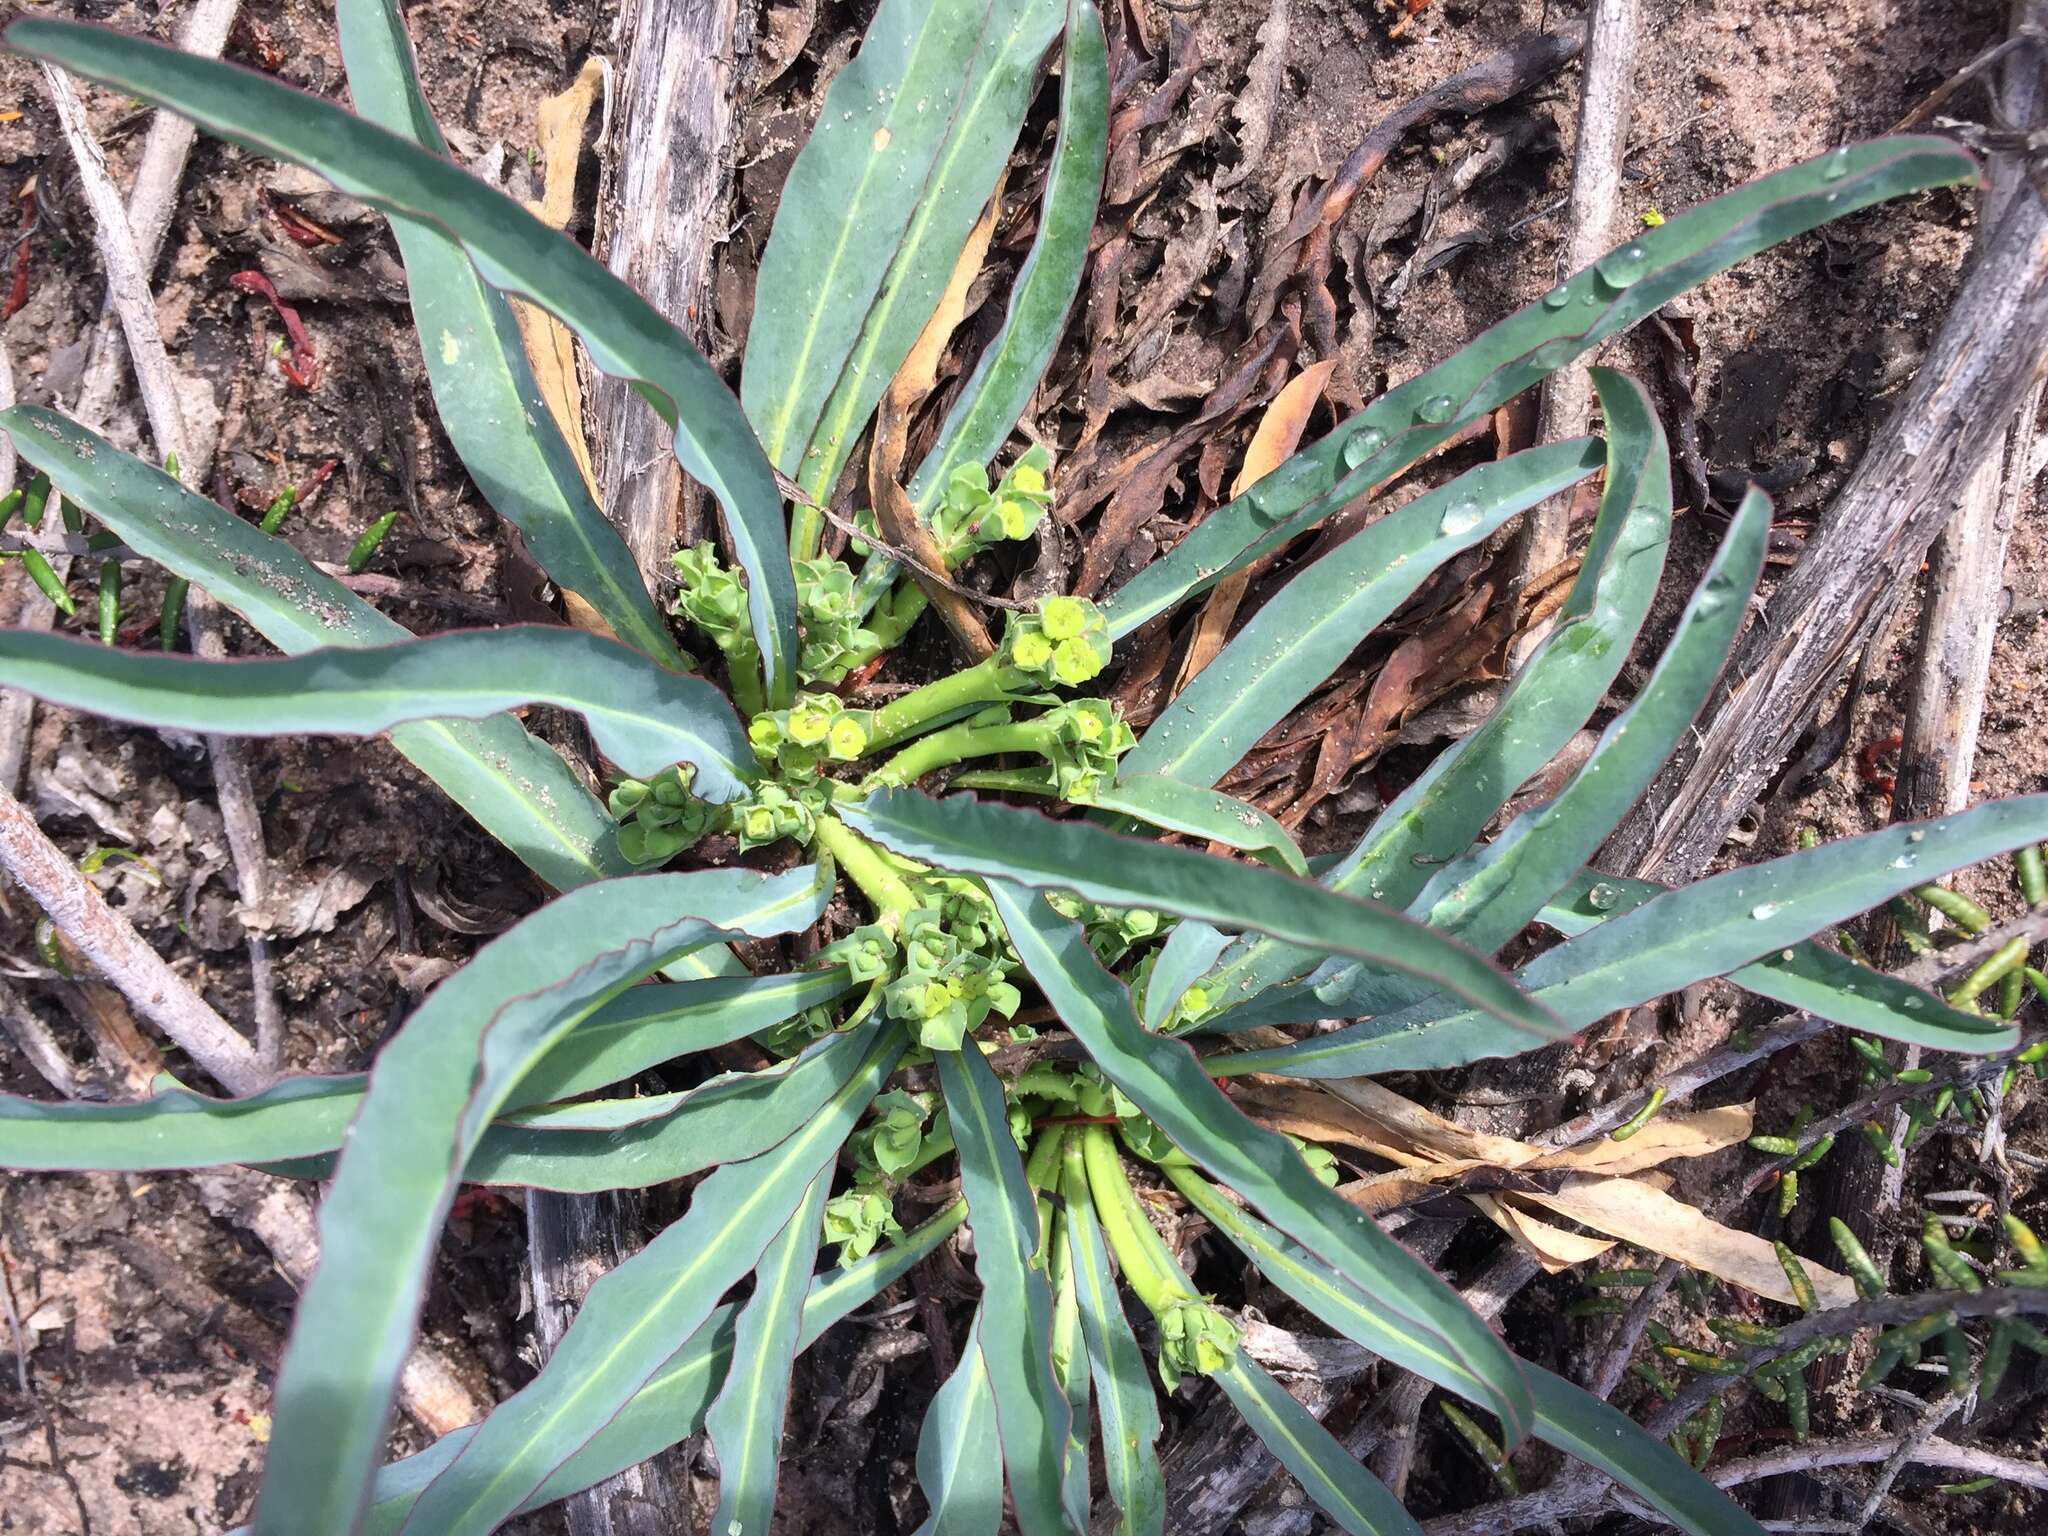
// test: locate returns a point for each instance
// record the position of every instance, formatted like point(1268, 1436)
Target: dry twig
point(1604, 101)
point(107, 939)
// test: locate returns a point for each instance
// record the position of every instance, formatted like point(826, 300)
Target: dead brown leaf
point(913, 382)
point(558, 132)
point(1609, 1186)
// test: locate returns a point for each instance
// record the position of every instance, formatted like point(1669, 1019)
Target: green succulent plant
point(1148, 956)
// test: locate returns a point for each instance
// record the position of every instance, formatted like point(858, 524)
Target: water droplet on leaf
point(1437, 409)
point(1362, 445)
point(1834, 165)
point(1619, 268)
point(1558, 297)
point(1764, 910)
point(1461, 516)
point(1602, 897)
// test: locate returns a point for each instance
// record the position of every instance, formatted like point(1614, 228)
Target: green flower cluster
point(660, 818)
point(714, 599)
point(1112, 931)
point(816, 729)
point(946, 986)
point(1195, 1339)
point(857, 1219)
point(970, 517)
point(1085, 738)
point(893, 1144)
point(835, 636)
point(772, 812)
point(1063, 645)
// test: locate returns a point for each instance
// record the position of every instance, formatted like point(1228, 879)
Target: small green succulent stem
point(887, 891)
point(2007, 960)
point(903, 718)
point(957, 743)
point(1140, 1253)
point(2030, 869)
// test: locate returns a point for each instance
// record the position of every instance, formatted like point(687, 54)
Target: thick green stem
point(1147, 1268)
point(743, 672)
point(863, 864)
point(956, 743)
point(981, 683)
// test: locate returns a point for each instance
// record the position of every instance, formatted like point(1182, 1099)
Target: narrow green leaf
point(642, 716)
point(745, 1424)
point(1123, 1386)
point(1342, 1488)
point(877, 207)
point(671, 1406)
point(518, 789)
point(649, 1025)
point(303, 1117)
point(1070, 1370)
point(1487, 897)
point(490, 405)
point(1680, 937)
point(1209, 814)
point(1640, 278)
point(1022, 846)
point(734, 1116)
point(1816, 979)
point(959, 1461)
point(624, 334)
point(1014, 1330)
point(433, 1091)
point(1011, 367)
point(1437, 818)
point(1167, 1081)
point(646, 1309)
point(1567, 1417)
point(1299, 639)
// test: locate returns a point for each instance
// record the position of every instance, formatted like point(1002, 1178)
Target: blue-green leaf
point(1167, 1082)
point(1437, 817)
point(1640, 278)
point(1194, 811)
point(1809, 976)
point(490, 405)
point(1014, 1330)
point(959, 1459)
point(624, 334)
point(1680, 937)
point(521, 792)
point(1022, 846)
point(433, 1092)
point(649, 1307)
point(1567, 1417)
point(1130, 1410)
point(642, 716)
point(306, 1117)
point(1342, 1488)
point(671, 1406)
point(875, 212)
point(1299, 639)
point(1009, 371)
point(745, 1423)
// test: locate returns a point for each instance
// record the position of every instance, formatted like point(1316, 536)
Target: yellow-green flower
point(1074, 661)
point(848, 739)
point(1031, 651)
point(1062, 618)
